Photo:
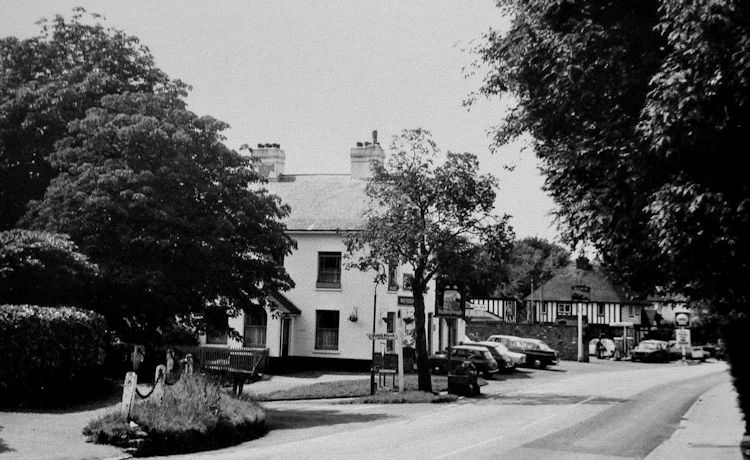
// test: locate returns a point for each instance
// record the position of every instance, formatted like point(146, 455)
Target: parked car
point(696, 352)
point(538, 353)
point(477, 355)
point(508, 360)
point(650, 350)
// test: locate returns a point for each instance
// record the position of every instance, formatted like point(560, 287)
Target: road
point(597, 410)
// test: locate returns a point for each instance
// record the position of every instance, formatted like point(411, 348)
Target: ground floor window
point(256, 322)
point(326, 330)
point(217, 326)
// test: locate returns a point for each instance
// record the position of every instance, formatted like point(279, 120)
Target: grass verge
point(195, 415)
point(345, 389)
point(407, 397)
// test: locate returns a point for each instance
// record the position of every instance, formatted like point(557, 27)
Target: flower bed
point(195, 415)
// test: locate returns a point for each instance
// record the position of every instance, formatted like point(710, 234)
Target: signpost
point(381, 336)
point(682, 337)
point(580, 293)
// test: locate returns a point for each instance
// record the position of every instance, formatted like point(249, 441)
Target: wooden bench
point(239, 365)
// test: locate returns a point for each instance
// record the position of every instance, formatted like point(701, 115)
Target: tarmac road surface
point(591, 410)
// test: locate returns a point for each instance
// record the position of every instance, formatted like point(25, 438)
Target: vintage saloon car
point(479, 356)
point(538, 354)
point(650, 350)
point(506, 359)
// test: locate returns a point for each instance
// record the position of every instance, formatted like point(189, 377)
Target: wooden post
point(400, 351)
point(139, 354)
point(188, 364)
point(159, 377)
point(128, 393)
point(170, 361)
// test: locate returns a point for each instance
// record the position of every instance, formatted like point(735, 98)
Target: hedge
point(48, 353)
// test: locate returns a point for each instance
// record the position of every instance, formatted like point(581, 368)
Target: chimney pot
point(260, 146)
point(375, 136)
point(359, 144)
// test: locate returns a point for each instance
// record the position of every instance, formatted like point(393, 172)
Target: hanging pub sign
point(452, 303)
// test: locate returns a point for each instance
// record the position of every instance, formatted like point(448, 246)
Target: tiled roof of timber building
point(559, 287)
point(321, 202)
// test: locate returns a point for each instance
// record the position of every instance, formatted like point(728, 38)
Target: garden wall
point(562, 338)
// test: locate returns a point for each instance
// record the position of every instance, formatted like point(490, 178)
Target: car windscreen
point(649, 346)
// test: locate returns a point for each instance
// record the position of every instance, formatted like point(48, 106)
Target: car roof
point(470, 347)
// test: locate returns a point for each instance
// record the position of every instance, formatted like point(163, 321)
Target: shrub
point(46, 353)
point(195, 414)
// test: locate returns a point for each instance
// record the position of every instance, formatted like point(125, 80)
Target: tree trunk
point(423, 371)
point(735, 336)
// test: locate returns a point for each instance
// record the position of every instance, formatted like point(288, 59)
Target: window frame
point(318, 338)
point(601, 309)
point(408, 279)
point(320, 281)
point(260, 314)
point(392, 278)
point(211, 335)
point(561, 309)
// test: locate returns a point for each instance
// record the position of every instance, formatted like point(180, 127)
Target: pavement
point(711, 429)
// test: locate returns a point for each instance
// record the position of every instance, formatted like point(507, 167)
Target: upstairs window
point(600, 309)
point(564, 309)
point(329, 270)
point(544, 308)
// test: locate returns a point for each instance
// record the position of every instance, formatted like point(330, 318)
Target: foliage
point(44, 269)
point(420, 212)
point(195, 415)
point(639, 111)
point(50, 80)
point(48, 352)
point(478, 266)
point(531, 262)
point(149, 191)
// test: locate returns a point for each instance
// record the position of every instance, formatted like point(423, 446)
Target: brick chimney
point(270, 160)
point(363, 155)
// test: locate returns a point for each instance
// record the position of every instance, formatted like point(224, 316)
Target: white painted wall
point(355, 296)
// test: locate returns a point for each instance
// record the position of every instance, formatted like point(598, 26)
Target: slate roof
point(284, 306)
point(602, 290)
point(322, 202)
point(478, 314)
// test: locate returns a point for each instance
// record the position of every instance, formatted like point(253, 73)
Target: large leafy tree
point(639, 113)
point(151, 194)
point(51, 79)
point(46, 269)
point(422, 211)
point(532, 261)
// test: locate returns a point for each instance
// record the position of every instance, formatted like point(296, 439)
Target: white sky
point(317, 76)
